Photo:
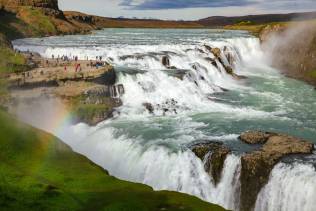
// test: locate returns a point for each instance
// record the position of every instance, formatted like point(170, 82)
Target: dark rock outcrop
point(227, 67)
point(257, 165)
point(165, 61)
point(149, 107)
point(213, 155)
point(215, 51)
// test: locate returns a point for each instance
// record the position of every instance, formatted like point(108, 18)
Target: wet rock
point(239, 77)
point(116, 91)
point(229, 70)
point(216, 52)
point(178, 73)
point(257, 165)
point(149, 107)
point(213, 62)
point(165, 61)
point(255, 137)
point(134, 56)
point(200, 50)
point(208, 48)
point(213, 155)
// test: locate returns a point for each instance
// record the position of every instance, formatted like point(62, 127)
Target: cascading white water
point(156, 165)
point(149, 148)
point(134, 159)
point(291, 187)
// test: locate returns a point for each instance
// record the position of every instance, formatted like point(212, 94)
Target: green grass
point(39, 172)
point(11, 61)
point(28, 22)
point(37, 20)
point(4, 93)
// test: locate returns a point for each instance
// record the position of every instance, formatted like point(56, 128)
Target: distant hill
point(105, 22)
point(220, 21)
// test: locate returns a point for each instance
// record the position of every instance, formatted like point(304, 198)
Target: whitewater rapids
point(152, 148)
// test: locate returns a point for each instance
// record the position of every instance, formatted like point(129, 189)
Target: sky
point(185, 9)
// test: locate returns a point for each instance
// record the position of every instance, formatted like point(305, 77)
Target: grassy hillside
point(27, 22)
point(104, 22)
point(39, 172)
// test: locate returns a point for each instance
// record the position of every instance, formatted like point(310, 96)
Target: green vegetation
point(37, 20)
point(11, 61)
point(312, 74)
point(4, 94)
point(28, 22)
point(39, 172)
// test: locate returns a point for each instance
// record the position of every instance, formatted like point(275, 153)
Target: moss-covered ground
point(39, 172)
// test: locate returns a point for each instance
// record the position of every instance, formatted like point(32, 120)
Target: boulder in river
point(216, 52)
point(166, 61)
point(212, 61)
point(213, 155)
point(257, 165)
point(149, 107)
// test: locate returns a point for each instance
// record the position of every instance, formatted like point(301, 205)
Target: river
point(207, 104)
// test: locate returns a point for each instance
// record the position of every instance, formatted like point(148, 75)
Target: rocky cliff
point(256, 165)
point(292, 48)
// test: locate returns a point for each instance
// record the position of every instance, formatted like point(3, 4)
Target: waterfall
point(158, 166)
point(195, 74)
point(291, 187)
point(147, 141)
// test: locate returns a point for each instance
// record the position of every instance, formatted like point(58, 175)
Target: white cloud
point(112, 8)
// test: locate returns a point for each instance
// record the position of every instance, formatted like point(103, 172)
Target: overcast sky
point(185, 9)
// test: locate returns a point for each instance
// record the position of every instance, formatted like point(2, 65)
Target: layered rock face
point(257, 165)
